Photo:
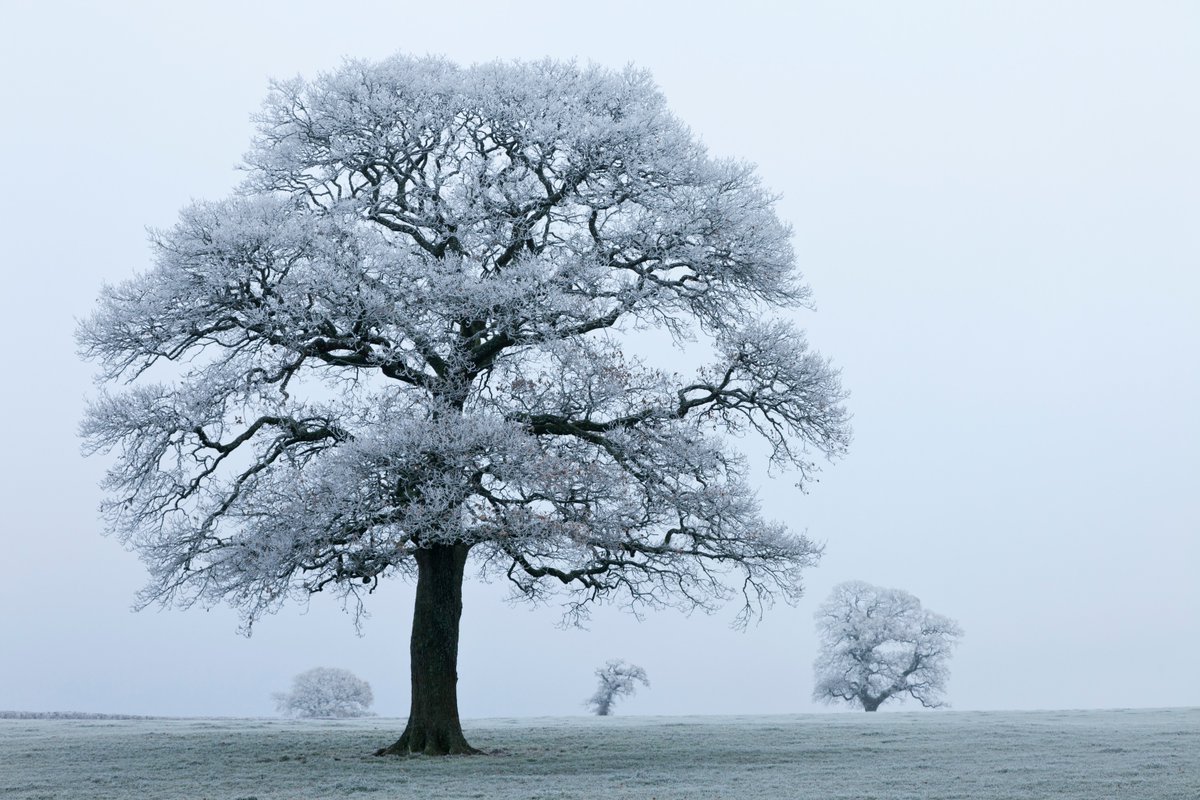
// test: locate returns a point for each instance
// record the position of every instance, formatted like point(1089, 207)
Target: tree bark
point(433, 725)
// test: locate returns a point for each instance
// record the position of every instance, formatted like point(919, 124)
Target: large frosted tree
point(411, 337)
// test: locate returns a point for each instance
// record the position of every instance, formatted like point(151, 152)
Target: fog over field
point(995, 204)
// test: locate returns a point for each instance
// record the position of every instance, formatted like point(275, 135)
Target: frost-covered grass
point(1069, 754)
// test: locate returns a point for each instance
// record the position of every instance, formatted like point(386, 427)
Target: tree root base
point(432, 743)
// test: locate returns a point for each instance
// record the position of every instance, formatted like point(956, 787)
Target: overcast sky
point(997, 206)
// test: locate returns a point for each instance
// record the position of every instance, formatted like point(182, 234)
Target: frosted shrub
point(326, 692)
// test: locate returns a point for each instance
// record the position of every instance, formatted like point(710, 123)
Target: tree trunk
point(433, 725)
point(871, 703)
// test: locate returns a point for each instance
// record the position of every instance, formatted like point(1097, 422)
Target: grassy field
point(1151, 754)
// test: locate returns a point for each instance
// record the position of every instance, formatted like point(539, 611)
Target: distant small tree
point(326, 692)
point(616, 680)
point(879, 643)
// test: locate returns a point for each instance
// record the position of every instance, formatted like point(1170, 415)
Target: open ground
point(1152, 754)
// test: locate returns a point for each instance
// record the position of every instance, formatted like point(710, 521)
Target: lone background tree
point(617, 679)
point(403, 342)
point(877, 644)
point(326, 692)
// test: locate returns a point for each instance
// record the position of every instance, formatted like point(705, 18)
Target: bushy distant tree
point(877, 644)
point(617, 679)
point(404, 340)
point(326, 692)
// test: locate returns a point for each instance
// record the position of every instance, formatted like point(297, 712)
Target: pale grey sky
point(996, 204)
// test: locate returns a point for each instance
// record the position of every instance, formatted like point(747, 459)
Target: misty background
point(996, 205)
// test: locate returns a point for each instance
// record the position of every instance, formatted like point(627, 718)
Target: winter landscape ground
point(1151, 754)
